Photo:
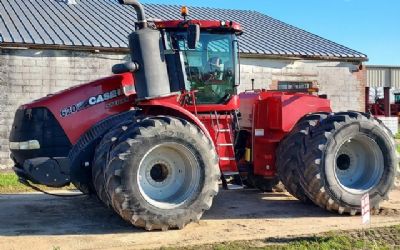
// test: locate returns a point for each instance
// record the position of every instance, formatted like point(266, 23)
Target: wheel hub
point(343, 162)
point(168, 175)
point(159, 172)
point(359, 164)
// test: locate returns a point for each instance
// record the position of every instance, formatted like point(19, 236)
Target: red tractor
point(154, 140)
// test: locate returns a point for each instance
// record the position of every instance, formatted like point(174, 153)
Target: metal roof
point(106, 24)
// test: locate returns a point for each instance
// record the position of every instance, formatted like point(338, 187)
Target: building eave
point(124, 50)
point(300, 57)
point(383, 66)
point(61, 47)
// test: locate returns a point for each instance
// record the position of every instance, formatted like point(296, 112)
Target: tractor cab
point(199, 58)
point(202, 57)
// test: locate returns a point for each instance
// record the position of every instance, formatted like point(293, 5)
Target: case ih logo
point(91, 101)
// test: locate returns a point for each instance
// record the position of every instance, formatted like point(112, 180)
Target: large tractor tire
point(288, 156)
point(163, 175)
point(98, 137)
point(345, 156)
point(101, 158)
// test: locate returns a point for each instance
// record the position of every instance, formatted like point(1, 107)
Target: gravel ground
point(37, 221)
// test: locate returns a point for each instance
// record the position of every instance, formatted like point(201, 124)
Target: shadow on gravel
point(39, 214)
point(289, 240)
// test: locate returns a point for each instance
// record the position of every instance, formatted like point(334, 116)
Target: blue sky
point(369, 26)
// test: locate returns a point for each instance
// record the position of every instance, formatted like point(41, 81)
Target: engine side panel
point(79, 108)
point(269, 116)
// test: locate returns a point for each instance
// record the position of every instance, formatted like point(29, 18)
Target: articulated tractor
point(155, 140)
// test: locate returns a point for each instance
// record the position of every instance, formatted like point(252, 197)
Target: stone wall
point(30, 74)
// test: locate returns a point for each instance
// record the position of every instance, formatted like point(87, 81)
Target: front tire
point(164, 175)
point(101, 158)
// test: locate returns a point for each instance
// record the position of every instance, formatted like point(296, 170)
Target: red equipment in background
point(382, 106)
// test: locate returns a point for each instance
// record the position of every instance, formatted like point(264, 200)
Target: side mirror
point(193, 36)
point(125, 68)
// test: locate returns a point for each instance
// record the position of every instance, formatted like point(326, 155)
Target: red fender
point(170, 106)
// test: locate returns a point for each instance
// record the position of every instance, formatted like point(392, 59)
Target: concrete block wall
point(26, 75)
point(344, 83)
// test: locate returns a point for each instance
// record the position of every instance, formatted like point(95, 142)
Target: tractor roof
point(204, 24)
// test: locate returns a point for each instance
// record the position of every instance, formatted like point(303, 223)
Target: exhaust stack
point(141, 16)
point(147, 54)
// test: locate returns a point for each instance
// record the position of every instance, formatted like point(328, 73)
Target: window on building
point(294, 86)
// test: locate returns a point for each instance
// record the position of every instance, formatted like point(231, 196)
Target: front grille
point(38, 124)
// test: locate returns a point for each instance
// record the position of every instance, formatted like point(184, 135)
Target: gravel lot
point(37, 221)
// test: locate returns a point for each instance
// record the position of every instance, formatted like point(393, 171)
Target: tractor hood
point(77, 109)
point(123, 82)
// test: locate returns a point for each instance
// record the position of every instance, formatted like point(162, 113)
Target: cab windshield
point(211, 67)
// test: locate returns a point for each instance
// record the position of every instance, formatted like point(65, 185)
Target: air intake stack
point(147, 51)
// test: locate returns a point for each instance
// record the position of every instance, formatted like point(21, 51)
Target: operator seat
point(215, 63)
point(215, 69)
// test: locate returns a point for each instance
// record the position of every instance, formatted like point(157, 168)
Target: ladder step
point(224, 130)
point(230, 173)
point(234, 187)
point(227, 159)
point(225, 144)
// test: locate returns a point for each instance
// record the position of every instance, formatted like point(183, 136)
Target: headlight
point(25, 145)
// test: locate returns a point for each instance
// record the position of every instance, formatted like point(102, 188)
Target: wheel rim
point(169, 175)
point(359, 164)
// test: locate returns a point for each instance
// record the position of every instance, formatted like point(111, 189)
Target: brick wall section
point(361, 77)
point(343, 82)
point(30, 74)
point(3, 105)
point(26, 75)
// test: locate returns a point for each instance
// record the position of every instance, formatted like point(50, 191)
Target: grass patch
point(9, 184)
point(378, 238)
point(397, 136)
point(335, 242)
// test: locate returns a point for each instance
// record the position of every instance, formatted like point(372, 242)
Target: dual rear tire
point(159, 173)
point(334, 159)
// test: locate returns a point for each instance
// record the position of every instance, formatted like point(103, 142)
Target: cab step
point(232, 181)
